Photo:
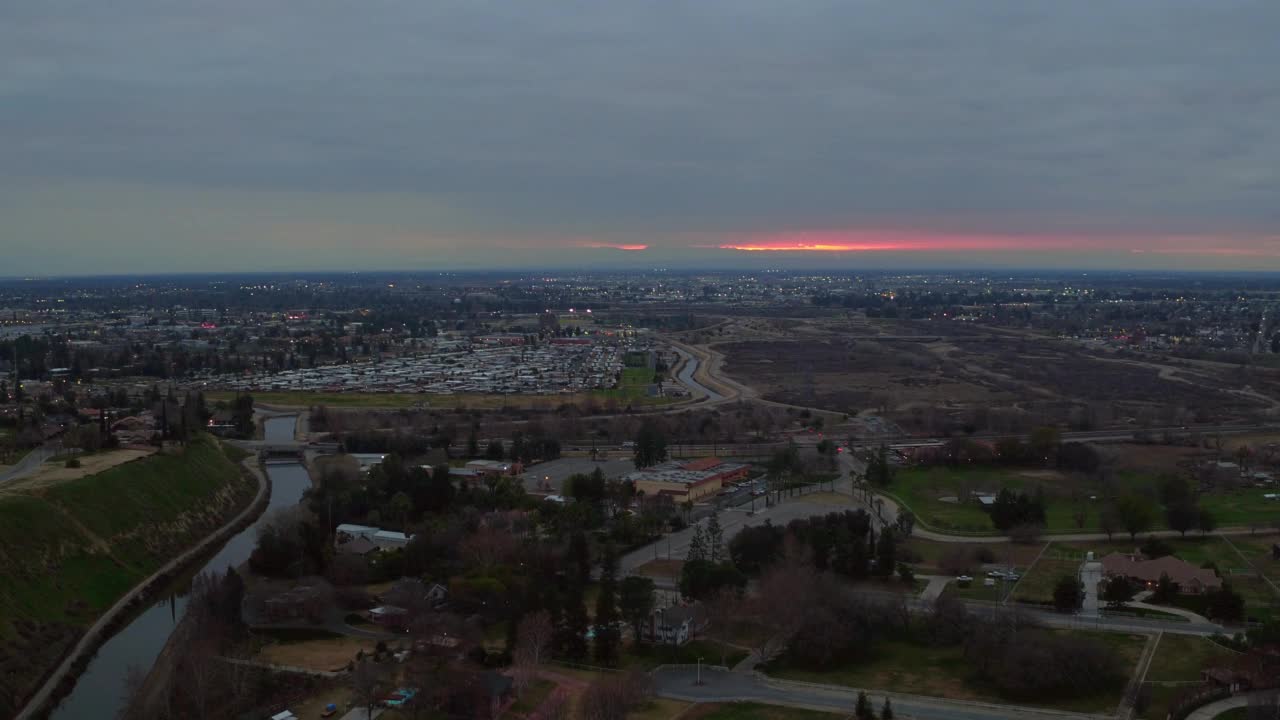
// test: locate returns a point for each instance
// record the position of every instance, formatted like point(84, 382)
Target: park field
point(931, 494)
point(69, 551)
point(942, 671)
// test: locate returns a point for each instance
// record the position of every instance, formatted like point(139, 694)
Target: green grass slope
point(67, 553)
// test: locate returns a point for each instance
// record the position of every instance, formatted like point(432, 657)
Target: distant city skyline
point(148, 137)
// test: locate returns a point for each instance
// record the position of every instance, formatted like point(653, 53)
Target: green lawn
point(910, 667)
point(1161, 698)
point(1241, 507)
point(151, 491)
point(67, 554)
point(1037, 585)
point(922, 488)
point(1180, 658)
point(648, 656)
point(234, 453)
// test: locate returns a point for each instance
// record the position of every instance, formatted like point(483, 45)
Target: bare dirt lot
point(945, 376)
point(52, 473)
point(327, 654)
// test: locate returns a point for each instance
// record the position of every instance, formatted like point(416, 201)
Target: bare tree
point(534, 637)
point(785, 593)
point(367, 681)
point(611, 697)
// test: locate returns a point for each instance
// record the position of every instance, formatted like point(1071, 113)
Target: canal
point(99, 692)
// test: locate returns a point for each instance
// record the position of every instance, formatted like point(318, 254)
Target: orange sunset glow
point(854, 241)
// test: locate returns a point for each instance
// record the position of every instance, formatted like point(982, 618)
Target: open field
point(649, 656)
point(326, 654)
point(1038, 583)
point(68, 552)
point(1180, 658)
point(942, 671)
point(932, 492)
point(932, 376)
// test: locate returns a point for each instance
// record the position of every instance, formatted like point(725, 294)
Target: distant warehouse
point(690, 480)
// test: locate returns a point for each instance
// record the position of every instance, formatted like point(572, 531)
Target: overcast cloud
point(162, 135)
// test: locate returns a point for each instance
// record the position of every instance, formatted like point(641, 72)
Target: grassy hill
point(69, 551)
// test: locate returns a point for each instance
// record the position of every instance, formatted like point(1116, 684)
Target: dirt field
point(51, 473)
point(327, 654)
point(946, 376)
point(661, 568)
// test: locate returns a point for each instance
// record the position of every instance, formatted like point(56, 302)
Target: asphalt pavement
point(719, 685)
point(27, 465)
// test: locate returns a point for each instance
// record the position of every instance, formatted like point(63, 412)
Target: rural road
point(720, 685)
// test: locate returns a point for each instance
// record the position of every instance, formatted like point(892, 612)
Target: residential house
point(675, 625)
point(390, 616)
point(1190, 579)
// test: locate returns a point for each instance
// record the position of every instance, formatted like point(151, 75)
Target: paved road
point(1214, 709)
point(27, 465)
point(719, 685)
point(676, 545)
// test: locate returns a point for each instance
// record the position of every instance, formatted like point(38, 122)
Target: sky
point(161, 136)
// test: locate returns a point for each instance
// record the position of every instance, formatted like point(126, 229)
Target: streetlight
point(699, 680)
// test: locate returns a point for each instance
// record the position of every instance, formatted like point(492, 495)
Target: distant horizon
point(815, 271)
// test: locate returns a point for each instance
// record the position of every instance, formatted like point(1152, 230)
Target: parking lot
point(555, 472)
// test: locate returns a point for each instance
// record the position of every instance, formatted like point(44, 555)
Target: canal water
point(99, 692)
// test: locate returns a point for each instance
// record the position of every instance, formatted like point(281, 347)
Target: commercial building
point(687, 481)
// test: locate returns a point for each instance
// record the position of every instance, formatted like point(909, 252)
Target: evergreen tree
point(886, 712)
point(715, 540)
point(863, 711)
point(574, 631)
point(473, 445)
point(879, 471)
point(607, 635)
point(580, 557)
point(651, 446)
point(636, 600)
point(886, 554)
